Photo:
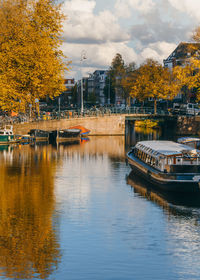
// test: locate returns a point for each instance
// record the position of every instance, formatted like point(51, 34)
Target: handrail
point(73, 114)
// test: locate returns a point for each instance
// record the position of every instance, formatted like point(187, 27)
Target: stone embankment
point(188, 125)
point(105, 125)
point(108, 125)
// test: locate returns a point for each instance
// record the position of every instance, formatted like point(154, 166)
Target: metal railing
point(72, 114)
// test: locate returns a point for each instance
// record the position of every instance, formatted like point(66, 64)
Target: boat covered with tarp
point(83, 131)
point(39, 135)
point(63, 135)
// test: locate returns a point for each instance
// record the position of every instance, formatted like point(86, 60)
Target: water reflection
point(167, 200)
point(135, 134)
point(28, 239)
point(67, 213)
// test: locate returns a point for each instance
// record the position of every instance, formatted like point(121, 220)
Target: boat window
point(135, 152)
point(7, 133)
point(144, 156)
point(1, 132)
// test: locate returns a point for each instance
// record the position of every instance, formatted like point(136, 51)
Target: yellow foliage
point(147, 123)
point(152, 80)
point(31, 63)
point(28, 239)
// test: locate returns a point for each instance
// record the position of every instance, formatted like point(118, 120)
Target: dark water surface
point(76, 212)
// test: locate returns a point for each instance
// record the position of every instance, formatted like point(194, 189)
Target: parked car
point(192, 109)
point(185, 109)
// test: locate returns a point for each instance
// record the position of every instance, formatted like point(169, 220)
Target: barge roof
point(166, 148)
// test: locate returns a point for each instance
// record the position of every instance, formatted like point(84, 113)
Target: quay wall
point(101, 125)
point(188, 125)
point(106, 125)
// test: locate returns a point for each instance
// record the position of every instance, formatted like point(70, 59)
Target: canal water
point(77, 212)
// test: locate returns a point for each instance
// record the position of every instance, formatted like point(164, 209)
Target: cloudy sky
point(137, 29)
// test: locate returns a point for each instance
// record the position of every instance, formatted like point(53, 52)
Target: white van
point(192, 109)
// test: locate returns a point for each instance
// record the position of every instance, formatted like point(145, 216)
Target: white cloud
point(125, 8)
point(98, 56)
point(152, 27)
point(190, 7)
point(84, 26)
point(157, 51)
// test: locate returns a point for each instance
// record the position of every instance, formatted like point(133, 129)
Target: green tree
point(115, 74)
point(31, 63)
point(91, 99)
point(109, 89)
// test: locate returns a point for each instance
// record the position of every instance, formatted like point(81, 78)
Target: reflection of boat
point(6, 135)
point(83, 131)
point(160, 197)
point(24, 138)
point(170, 166)
point(84, 139)
point(65, 144)
point(39, 134)
point(4, 147)
point(65, 135)
point(193, 142)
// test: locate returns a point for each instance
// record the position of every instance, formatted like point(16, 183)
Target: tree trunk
point(155, 106)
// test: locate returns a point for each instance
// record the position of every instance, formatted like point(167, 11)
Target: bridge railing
point(70, 114)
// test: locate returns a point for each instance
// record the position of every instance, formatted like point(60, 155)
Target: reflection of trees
point(28, 240)
point(135, 134)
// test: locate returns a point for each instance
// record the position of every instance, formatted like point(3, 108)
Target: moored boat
point(39, 135)
point(168, 165)
point(6, 135)
point(64, 135)
point(193, 142)
point(83, 131)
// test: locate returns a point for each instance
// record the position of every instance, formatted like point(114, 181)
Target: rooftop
point(166, 148)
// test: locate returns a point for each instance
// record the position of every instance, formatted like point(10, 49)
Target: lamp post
point(37, 107)
point(109, 90)
point(83, 57)
point(59, 107)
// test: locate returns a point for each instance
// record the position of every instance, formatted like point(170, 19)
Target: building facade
point(181, 57)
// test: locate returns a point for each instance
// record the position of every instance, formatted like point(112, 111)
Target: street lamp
point(109, 89)
point(83, 57)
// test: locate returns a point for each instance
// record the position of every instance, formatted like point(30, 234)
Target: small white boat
point(169, 165)
point(6, 135)
point(193, 142)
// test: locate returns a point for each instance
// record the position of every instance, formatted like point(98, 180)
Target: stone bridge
point(98, 125)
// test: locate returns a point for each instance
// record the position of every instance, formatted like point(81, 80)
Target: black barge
point(168, 165)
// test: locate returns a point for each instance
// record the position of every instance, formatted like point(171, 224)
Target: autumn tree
point(31, 62)
point(151, 80)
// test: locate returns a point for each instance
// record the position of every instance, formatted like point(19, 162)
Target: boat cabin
point(168, 156)
point(6, 130)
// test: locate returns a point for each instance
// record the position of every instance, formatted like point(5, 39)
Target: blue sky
point(137, 29)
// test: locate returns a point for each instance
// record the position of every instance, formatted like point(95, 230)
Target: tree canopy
point(151, 80)
point(31, 62)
